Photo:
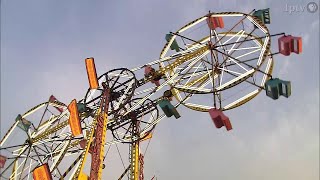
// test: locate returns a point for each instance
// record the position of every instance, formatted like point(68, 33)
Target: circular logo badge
point(312, 7)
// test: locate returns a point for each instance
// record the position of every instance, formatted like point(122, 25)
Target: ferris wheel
point(39, 136)
point(215, 63)
point(231, 64)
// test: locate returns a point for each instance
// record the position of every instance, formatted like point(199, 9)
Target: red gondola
point(52, 99)
point(150, 72)
point(288, 44)
point(219, 119)
point(3, 160)
point(215, 22)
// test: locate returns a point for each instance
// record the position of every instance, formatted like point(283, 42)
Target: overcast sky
point(44, 44)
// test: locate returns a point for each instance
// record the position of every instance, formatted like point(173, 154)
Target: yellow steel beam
point(183, 59)
point(134, 173)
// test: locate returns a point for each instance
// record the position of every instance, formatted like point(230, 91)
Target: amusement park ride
point(213, 64)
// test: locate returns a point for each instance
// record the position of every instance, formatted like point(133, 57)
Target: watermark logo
point(311, 7)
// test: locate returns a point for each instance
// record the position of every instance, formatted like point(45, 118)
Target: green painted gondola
point(174, 45)
point(81, 107)
point(276, 87)
point(263, 15)
point(23, 123)
point(168, 108)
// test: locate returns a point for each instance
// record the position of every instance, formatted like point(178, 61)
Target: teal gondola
point(277, 87)
point(174, 45)
point(263, 15)
point(168, 108)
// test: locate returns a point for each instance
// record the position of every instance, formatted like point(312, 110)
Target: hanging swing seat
point(23, 123)
point(288, 44)
point(277, 87)
point(174, 45)
point(263, 15)
point(150, 72)
point(3, 160)
point(215, 22)
point(53, 99)
point(219, 119)
point(168, 108)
